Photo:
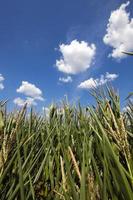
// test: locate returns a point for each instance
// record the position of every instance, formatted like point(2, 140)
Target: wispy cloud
point(1, 82)
point(76, 57)
point(119, 32)
point(93, 83)
point(67, 79)
point(21, 102)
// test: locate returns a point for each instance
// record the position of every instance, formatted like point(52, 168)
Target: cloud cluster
point(21, 102)
point(93, 83)
point(1, 82)
point(76, 57)
point(68, 79)
point(31, 92)
point(119, 32)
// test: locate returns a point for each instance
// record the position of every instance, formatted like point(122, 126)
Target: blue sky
point(38, 49)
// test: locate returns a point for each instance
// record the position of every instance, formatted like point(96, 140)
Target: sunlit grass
point(78, 153)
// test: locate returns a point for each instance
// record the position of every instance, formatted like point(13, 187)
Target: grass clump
point(74, 154)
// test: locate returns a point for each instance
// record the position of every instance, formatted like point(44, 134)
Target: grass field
point(75, 153)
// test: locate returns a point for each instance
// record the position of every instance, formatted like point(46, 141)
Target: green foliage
point(128, 53)
point(73, 154)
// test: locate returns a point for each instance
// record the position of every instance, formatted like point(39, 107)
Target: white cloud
point(1, 82)
point(110, 77)
point(68, 79)
point(30, 90)
point(21, 102)
point(76, 57)
point(93, 83)
point(87, 84)
point(1, 78)
point(119, 32)
point(1, 86)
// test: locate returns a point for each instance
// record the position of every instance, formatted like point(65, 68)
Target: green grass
point(77, 154)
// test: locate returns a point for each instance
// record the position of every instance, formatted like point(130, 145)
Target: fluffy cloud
point(93, 83)
point(76, 57)
point(30, 90)
point(119, 32)
point(21, 102)
point(1, 82)
point(68, 79)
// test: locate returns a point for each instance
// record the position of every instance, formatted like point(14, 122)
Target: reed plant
point(76, 154)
